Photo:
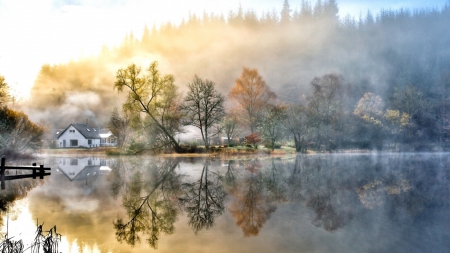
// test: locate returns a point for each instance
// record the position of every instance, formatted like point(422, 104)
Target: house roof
point(85, 130)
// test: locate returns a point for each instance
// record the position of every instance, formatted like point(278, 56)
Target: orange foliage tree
point(252, 96)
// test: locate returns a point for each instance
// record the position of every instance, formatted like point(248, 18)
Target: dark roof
point(85, 130)
point(53, 134)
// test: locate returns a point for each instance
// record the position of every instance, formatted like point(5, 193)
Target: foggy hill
point(374, 54)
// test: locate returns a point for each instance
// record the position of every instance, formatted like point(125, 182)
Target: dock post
point(41, 172)
point(2, 173)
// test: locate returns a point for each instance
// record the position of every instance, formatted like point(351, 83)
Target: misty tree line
point(155, 113)
point(390, 90)
point(398, 56)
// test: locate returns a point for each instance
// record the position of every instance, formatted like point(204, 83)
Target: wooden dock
point(37, 171)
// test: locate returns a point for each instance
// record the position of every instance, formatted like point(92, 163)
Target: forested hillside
point(402, 56)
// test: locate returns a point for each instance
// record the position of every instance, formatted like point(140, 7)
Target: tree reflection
point(15, 190)
point(251, 208)
point(230, 177)
point(320, 185)
point(275, 184)
point(203, 199)
point(155, 212)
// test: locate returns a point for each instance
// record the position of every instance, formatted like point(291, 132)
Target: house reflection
point(80, 169)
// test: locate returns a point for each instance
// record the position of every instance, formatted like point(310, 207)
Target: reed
point(44, 241)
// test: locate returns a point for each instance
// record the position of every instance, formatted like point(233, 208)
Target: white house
point(82, 135)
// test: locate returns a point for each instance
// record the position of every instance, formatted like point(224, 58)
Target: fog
point(375, 54)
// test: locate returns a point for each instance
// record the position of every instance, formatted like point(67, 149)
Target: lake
point(372, 202)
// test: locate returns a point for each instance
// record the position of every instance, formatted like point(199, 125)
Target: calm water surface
point(309, 203)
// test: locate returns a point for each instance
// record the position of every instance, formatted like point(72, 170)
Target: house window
point(73, 161)
point(89, 162)
point(74, 143)
point(72, 131)
point(89, 142)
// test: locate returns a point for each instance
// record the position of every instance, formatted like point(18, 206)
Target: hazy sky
point(33, 33)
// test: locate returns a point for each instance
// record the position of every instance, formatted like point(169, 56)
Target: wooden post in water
point(2, 173)
point(41, 172)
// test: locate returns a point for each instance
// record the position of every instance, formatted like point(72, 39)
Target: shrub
point(252, 139)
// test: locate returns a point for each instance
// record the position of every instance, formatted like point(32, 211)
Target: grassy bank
point(198, 152)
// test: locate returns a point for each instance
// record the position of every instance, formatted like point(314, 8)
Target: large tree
point(157, 97)
point(204, 109)
point(252, 96)
point(325, 108)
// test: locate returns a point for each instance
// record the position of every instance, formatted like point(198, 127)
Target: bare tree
point(296, 124)
point(230, 126)
point(204, 108)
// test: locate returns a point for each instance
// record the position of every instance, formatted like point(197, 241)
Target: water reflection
point(203, 199)
point(15, 190)
point(351, 203)
point(150, 202)
point(251, 205)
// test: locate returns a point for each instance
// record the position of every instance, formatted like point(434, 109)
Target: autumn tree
point(204, 109)
point(252, 96)
point(370, 111)
point(396, 124)
point(155, 96)
point(252, 139)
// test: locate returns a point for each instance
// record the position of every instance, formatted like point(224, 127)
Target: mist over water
point(317, 203)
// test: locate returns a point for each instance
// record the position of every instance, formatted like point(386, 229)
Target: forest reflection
point(336, 188)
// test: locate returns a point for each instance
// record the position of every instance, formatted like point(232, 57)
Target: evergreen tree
point(285, 13)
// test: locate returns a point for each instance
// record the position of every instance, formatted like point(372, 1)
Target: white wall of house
point(73, 138)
